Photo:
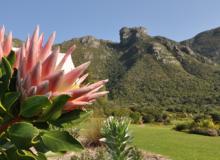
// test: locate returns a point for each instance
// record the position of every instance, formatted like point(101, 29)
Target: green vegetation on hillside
point(206, 44)
point(148, 72)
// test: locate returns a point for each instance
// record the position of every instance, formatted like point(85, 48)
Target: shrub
point(216, 117)
point(117, 137)
point(136, 117)
point(92, 133)
point(207, 123)
point(182, 127)
point(167, 122)
point(166, 118)
point(158, 117)
point(198, 118)
point(204, 131)
point(148, 118)
point(200, 126)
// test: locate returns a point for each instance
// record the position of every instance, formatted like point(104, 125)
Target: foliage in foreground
point(37, 99)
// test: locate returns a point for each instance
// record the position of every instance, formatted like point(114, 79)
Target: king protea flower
point(43, 71)
point(5, 43)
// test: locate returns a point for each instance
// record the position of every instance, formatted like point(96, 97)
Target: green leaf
point(7, 67)
point(6, 76)
point(72, 118)
point(2, 108)
point(58, 141)
point(41, 156)
point(12, 154)
point(13, 81)
point(26, 155)
point(33, 106)
point(3, 138)
point(40, 147)
point(22, 134)
point(7, 145)
point(11, 58)
point(9, 99)
point(54, 111)
point(3, 157)
point(17, 154)
point(4, 83)
point(0, 71)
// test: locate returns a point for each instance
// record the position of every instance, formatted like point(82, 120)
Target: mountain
point(206, 43)
point(152, 71)
point(17, 42)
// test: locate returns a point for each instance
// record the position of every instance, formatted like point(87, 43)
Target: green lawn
point(176, 145)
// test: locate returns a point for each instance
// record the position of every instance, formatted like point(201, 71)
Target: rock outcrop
point(90, 41)
point(130, 35)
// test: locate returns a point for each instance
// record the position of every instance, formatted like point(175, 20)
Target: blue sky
point(175, 19)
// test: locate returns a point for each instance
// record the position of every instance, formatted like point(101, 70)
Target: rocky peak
point(90, 41)
point(131, 34)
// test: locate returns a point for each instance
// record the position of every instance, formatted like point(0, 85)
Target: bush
point(198, 118)
point(182, 127)
point(216, 117)
point(207, 123)
point(92, 133)
point(200, 126)
point(204, 123)
point(148, 118)
point(204, 131)
point(136, 117)
point(158, 117)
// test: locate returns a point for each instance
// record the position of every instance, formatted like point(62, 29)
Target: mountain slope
point(149, 71)
point(206, 43)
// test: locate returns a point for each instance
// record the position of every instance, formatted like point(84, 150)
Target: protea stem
point(11, 122)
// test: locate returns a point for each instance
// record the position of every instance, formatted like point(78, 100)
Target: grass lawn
point(176, 145)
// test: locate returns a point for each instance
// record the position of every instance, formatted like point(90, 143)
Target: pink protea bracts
point(5, 43)
point(43, 71)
